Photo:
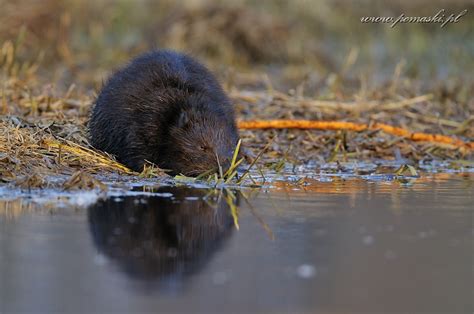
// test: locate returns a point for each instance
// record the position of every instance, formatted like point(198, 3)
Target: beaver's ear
point(183, 119)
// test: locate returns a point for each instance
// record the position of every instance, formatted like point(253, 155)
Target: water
point(343, 246)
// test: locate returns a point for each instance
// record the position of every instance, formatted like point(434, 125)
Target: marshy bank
point(307, 67)
point(349, 217)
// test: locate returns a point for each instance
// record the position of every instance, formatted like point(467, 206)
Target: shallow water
point(342, 246)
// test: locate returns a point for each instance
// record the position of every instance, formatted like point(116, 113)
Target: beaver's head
point(200, 139)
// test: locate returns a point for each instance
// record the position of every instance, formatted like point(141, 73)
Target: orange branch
point(342, 125)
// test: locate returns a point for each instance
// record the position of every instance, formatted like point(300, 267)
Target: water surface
point(343, 246)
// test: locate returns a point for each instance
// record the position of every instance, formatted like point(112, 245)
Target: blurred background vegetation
point(320, 42)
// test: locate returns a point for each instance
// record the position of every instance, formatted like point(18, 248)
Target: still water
point(345, 246)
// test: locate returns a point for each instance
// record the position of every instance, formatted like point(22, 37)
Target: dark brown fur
point(166, 108)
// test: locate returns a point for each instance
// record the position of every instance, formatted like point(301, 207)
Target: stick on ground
point(343, 125)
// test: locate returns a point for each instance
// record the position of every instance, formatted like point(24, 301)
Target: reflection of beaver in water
point(162, 238)
point(166, 108)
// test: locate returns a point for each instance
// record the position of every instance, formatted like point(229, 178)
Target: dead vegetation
point(268, 62)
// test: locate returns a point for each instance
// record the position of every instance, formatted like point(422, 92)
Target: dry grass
point(272, 61)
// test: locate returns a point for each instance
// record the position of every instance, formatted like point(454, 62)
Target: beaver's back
point(136, 106)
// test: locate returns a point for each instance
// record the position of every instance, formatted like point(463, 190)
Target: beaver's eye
point(202, 147)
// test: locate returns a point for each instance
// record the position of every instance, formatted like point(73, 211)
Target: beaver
point(166, 108)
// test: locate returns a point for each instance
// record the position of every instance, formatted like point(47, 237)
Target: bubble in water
point(306, 271)
point(368, 240)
